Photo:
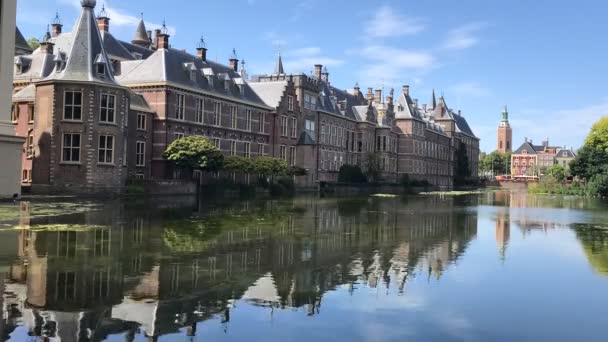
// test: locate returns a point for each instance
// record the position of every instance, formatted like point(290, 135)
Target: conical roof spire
point(278, 68)
point(141, 36)
point(505, 114)
point(433, 103)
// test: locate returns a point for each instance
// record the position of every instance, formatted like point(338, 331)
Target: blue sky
point(546, 60)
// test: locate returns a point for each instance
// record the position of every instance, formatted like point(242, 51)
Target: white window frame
point(248, 119)
point(217, 142)
point(179, 135)
point(283, 125)
point(141, 121)
point(292, 155)
point(261, 149)
point(72, 105)
point(283, 152)
point(294, 127)
point(108, 110)
point(217, 114)
point(180, 106)
point(247, 149)
point(140, 153)
point(262, 127)
point(234, 116)
point(290, 103)
point(233, 147)
point(29, 149)
point(105, 149)
point(71, 147)
point(200, 111)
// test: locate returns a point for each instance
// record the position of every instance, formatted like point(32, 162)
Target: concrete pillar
point(10, 145)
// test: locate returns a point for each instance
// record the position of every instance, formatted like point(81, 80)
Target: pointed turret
point(87, 60)
point(433, 103)
point(505, 115)
point(141, 36)
point(278, 68)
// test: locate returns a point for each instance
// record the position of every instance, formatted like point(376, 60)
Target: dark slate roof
point(26, 94)
point(114, 48)
point(270, 92)
point(462, 125)
point(405, 108)
point(175, 66)
point(565, 153)
point(528, 147)
point(138, 102)
point(84, 47)
point(135, 49)
point(306, 138)
point(36, 66)
point(141, 36)
point(21, 45)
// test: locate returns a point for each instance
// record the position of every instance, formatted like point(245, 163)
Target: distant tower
point(505, 135)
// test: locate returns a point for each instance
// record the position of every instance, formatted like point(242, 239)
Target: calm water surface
point(493, 267)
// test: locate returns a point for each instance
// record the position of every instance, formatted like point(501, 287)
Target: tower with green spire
point(504, 134)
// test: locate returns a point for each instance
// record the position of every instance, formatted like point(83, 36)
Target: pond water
point(492, 267)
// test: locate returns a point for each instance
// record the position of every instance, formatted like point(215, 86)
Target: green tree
point(269, 166)
point(34, 43)
point(589, 162)
point(496, 162)
point(351, 174)
point(238, 164)
point(598, 137)
point(556, 171)
point(194, 153)
point(296, 171)
point(598, 185)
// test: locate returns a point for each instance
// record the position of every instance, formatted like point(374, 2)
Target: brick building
point(532, 160)
point(96, 111)
point(504, 134)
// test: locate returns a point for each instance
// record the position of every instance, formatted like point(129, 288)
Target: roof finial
point(234, 53)
point(103, 13)
point(202, 44)
point(141, 14)
point(57, 20)
point(164, 29)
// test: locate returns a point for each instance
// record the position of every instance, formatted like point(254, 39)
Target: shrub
point(598, 185)
point(351, 174)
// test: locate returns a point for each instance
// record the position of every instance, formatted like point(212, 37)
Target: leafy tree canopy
point(598, 137)
point(34, 43)
point(556, 171)
point(195, 152)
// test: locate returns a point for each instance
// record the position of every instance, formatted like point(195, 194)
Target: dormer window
point(100, 65)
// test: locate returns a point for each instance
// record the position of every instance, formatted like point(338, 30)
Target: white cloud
point(387, 64)
point(463, 37)
point(469, 89)
point(388, 23)
point(120, 18)
point(303, 59)
point(563, 127)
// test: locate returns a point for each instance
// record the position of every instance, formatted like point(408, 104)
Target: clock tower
point(505, 135)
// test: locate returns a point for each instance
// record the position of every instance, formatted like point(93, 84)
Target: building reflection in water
point(149, 269)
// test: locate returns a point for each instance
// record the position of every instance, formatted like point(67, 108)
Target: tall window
point(71, 148)
point(180, 106)
point(283, 152)
point(294, 127)
point(141, 121)
point(283, 125)
point(140, 153)
point(30, 145)
point(30, 113)
point(108, 108)
point(217, 112)
point(200, 110)
point(72, 105)
point(217, 142)
point(247, 150)
point(179, 135)
point(106, 149)
point(233, 147)
point(292, 155)
point(261, 149)
point(248, 120)
point(14, 113)
point(290, 103)
point(262, 122)
point(310, 126)
point(233, 117)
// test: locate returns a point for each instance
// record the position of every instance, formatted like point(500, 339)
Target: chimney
point(156, 34)
point(234, 62)
point(318, 70)
point(149, 34)
point(325, 75)
point(459, 113)
point(201, 50)
point(406, 89)
point(46, 46)
point(162, 38)
point(369, 96)
point(56, 26)
point(357, 92)
point(424, 107)
point(103, 21)
point(378, 96)
point(389, 98)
